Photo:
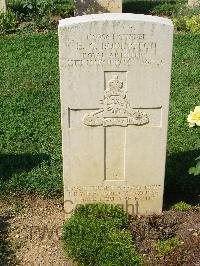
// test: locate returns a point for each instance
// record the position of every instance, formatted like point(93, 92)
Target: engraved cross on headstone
point(115, 116)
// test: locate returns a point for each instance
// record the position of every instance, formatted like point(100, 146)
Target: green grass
point(183, 142)
point(30, 134)
point(30, 137)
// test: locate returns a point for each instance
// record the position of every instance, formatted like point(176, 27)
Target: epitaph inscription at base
point(115, 74)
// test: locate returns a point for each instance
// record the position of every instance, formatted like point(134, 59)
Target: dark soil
point(185, 226)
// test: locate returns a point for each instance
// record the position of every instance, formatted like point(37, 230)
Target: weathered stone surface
point(83, 7)
point(193, 3)
point(115, 74)
point(2, 5)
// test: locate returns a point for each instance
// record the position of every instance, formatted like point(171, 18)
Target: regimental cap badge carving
point(116, 109)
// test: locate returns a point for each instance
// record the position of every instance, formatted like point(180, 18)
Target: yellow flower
point(194, 117)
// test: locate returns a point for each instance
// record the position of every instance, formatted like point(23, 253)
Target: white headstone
point(193, 3)
point(115, 74)
point(83, 7)
point(2, 5)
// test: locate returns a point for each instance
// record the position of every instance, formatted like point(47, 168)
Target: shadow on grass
point(142, 7)
point(7, 254)
point(15, 163)
point(179, 185)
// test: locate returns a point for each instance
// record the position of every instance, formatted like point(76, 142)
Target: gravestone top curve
point(114, 16)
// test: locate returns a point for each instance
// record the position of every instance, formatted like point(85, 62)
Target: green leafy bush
point(196, 169)
point(194, 120)
point(180, 23)
point(35, 15)
point(165, 9)
point(181, 206)
point(149, 7)
point(193, 23)
point(8, 21)
point(165, 247)
point(183, 10)
point(98, 235)
point(23, 9)
point(185, 23)
point(29, 9)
